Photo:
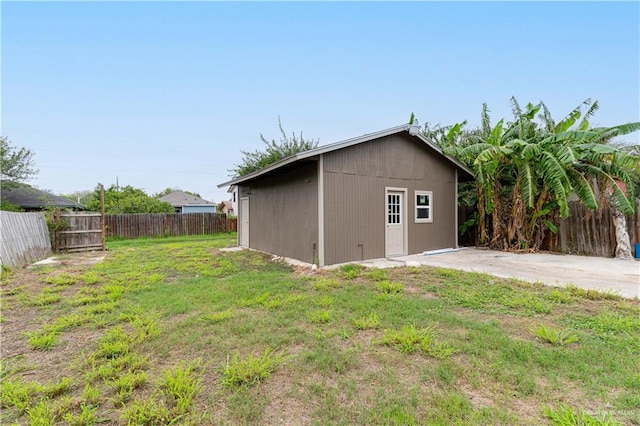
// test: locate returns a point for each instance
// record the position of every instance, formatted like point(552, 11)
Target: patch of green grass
point(88, 416)
point(393, 288)
point(90, 277)
point(489, 294)
point(325, 301)
point(43, 341)
point(567, 416)
point(557, 337)
point(607, 322)
point(91, 394)
point(326, 283)
point(42, 413)
point(182, 384)
point(261, 299)
point(17, 394)
point(159, 303)
point(351, 271)
point(42, 299)
point(367, 322)
point(217, 317)
point(410, 339)
point(322, 316)
point(61, 279)
point(25, 396)
point(125, 383)
point(560, 295)
point(13, 291)
point(376, 274)
point(592, 294)
point(251, 369)
point(149, 411)
point(100, 308)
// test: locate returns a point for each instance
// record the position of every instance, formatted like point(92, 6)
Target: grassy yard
point(176, 331)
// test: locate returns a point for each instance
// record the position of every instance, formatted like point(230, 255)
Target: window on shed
point(424, 206)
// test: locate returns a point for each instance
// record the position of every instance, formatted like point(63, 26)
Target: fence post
point(102, 216)
point(56, 231)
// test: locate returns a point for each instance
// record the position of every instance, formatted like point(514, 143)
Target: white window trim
point(415, 206)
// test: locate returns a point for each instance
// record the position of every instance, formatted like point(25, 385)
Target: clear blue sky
point(167, 94)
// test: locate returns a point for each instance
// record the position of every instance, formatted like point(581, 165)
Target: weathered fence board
point(24, 238)
point(591, 233)
point(586, 232)
point(83, 232)
point(167, 224)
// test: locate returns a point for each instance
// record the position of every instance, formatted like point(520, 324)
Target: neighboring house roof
point(181, 198)
point(226, 203)
point(28, 197)
point(411, 129)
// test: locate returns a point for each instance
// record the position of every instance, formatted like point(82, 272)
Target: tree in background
point(526, 170)
point(127, 200)
point(16, 164)
point(168, 191)
point(273, 152)
point(82, 197)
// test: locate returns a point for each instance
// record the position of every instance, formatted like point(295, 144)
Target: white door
point(244, 222)
point(395, 224)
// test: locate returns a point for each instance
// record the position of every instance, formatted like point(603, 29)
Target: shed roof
point(180, 198)
point(412, 130)
point(28, 197)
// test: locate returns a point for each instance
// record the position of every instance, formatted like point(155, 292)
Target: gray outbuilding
point(383, 194)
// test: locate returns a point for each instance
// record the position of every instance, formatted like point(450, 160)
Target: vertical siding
point(283, 212)
point(354, 184)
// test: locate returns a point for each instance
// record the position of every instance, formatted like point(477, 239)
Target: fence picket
point(24, 238)
point(148, 225)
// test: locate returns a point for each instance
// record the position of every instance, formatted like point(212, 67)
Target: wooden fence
point(591, 233)
point(81, 232)
point(586, 232)
point(24, 238)
point(167, 224)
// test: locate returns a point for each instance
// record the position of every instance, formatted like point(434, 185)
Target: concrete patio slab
point(591, 273)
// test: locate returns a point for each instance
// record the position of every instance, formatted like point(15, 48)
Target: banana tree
point(526, 170)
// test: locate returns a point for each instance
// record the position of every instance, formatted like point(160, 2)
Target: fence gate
point(82, 232)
